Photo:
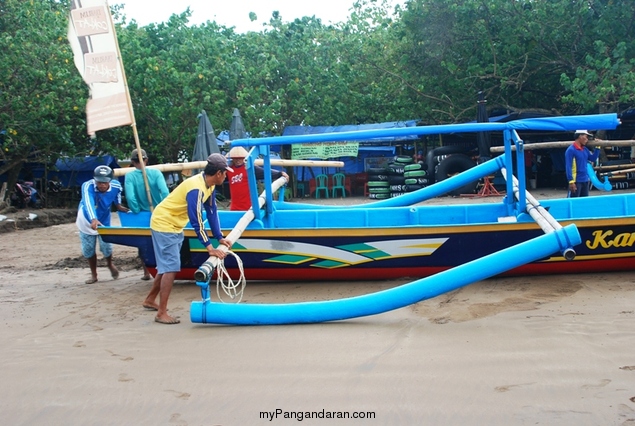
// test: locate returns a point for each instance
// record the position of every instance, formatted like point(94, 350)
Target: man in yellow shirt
point(185, 204)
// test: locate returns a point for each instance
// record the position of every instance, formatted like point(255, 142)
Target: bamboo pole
point(565, 144)
point(612, 167)
point(619, 172)
point(173, 167)
point(240, 227)
point(131, 110)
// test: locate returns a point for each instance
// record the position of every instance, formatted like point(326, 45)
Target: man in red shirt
point(238, 183)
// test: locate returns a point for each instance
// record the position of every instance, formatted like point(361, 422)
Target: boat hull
point(377, 253)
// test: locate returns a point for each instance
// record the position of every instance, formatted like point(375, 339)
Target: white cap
point(583, 132)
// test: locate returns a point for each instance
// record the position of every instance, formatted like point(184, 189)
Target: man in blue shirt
point(136, 195)
point(576, 158)
point(98, 194)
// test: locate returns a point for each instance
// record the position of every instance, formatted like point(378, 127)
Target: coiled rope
point(230, 288)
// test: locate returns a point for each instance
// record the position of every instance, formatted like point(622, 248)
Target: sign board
point(324, 150)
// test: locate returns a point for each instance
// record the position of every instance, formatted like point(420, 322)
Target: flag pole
point(130, 108)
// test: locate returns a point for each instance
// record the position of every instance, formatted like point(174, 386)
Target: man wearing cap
point(576, 158)
point(135, 190)
point(238, 183)
point(98, 195)
point(135, 186)
point(185, 204)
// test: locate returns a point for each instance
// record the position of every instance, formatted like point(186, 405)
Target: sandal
point(168, 321)
point(150, 307)
point(90, 281)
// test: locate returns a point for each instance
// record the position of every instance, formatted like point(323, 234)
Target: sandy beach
point(549, 350)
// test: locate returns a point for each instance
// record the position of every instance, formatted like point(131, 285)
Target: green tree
point(603, 79)
point(41, 97)
point(555, 55)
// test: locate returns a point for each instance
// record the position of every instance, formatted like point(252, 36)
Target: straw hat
point(238, 152)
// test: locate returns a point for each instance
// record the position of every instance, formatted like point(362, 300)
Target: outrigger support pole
point(204, 273)
point(390, 299)
point(542, 217)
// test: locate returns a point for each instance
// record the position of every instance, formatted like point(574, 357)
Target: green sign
point(324, 150)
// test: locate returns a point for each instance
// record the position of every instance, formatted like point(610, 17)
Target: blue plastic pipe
point(387, 300)
point(602, 186)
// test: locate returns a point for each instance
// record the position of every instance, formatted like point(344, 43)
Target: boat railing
point(260, 148)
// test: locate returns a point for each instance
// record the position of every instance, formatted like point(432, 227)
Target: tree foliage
point(426, 60)
point(42, 99)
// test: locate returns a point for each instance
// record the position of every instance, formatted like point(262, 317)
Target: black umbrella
point(205, 139)
point(482, 138)
point(237, 128)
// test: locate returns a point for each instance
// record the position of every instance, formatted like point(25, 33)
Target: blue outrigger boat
point(399, 237)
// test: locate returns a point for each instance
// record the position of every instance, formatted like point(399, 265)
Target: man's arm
point(568, 161)
point(116, 186)
point(275, 174)
point(194, 200)
point(158, 182)
point(595, 154)
point(88, 200)
point(214, 224)
point(163, 186)
point(212, 217)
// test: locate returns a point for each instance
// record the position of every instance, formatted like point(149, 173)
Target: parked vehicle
point(25, 195)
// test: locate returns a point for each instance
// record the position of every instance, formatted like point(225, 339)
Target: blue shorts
point(167, 251)
point(89, 243)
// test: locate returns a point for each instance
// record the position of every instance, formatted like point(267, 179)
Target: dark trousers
point(582, 190)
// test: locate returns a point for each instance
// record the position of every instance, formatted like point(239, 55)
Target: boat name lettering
point(605, 239)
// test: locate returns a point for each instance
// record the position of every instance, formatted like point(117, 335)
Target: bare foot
point(114, 272)
point(91, 280)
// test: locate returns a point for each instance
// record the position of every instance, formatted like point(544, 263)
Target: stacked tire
point(396, 171)
point(416, 177)
point(378, 186)
point(398, 178)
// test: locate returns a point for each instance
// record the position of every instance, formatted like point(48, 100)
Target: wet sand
point(554, 350)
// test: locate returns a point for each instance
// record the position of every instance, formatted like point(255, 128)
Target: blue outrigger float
point(443, 247)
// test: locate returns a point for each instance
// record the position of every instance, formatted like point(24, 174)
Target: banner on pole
point(324, 150)
point(94, 43)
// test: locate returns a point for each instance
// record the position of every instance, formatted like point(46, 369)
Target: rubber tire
point(415, 166)
point(377, 171)
point(442, 150)
point(396, 179)
point(383, 177)
point(416, 181)
point(403, 159)
point(456, 164)
point(416, 174)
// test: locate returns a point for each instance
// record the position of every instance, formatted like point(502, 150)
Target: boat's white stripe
point(415, 247)
point(397, 248)
point(302, 249)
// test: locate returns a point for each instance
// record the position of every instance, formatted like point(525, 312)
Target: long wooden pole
point(618, 172)
point(173, 167)
point(130, 108)
point(565, 144)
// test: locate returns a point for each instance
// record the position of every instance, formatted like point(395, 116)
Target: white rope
point(230, 288)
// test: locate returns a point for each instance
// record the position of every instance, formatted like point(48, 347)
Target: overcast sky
point(235, 13)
